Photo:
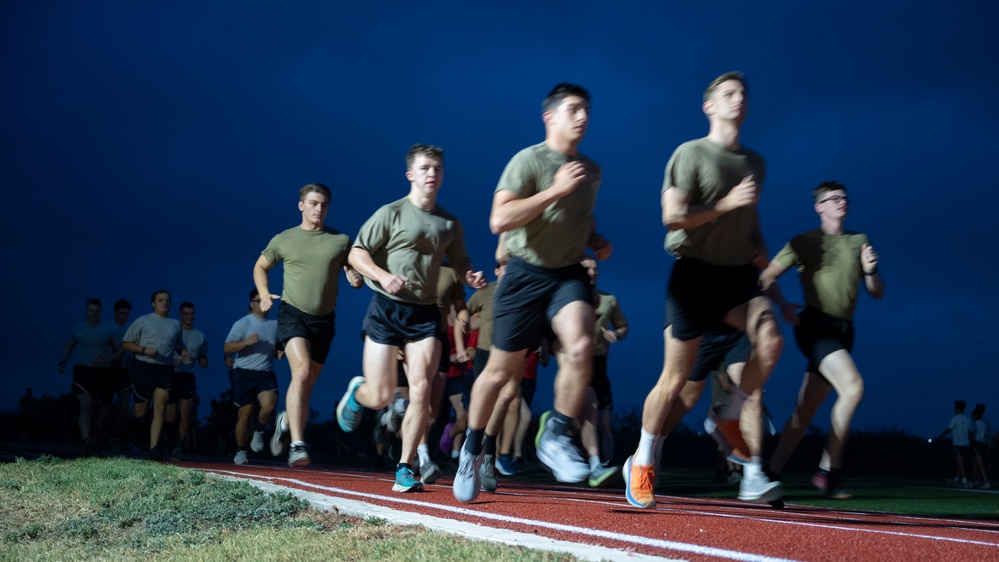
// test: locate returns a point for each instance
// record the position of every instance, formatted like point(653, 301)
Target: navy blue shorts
point(601, 383)
point(391, 322)
point(699, 295)
point(317, 330)
point(479, 361)
point(147, 377)
point(529, 297)
point(455, 385)
point(247, 384)
point(819, 334)
point(96, 381)
point(182, 387)
point(527, 388)
point(720, 348)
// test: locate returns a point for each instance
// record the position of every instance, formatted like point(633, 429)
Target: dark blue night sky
point(146, 146)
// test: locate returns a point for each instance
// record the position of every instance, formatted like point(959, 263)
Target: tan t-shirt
point(449, 291)
point(609, 317)
point(829, 267)
point(482, 302)
point(559, 235)
point(312, 262)
point(706, 172)
point(409, 241)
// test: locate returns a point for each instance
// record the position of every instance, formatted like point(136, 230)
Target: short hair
point(94, 301)
point(186, 304)
point(826, 187)
point(122, 303)
point(313, 188)
point(254, 293)
point(428, 150)
point(734, 75)
point(156, 292)
point(560, 92)
point(960, 405)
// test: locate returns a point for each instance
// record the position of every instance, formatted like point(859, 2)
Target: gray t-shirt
point(158, 332)
point(259, 356)
point(93, 342)
point(406, 240)
point(559, 235)
point(706, 172)
point(196, 345)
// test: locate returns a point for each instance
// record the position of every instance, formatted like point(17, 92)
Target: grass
point(120, 509)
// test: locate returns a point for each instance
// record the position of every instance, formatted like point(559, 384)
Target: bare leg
point(304, 373)
point(814, 390)
point(839, 369)
point(588, 420)
point(422, 358)
point(573, 326)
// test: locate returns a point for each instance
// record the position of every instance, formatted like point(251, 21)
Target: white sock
point(754, 469)
point(302, 443)
point(648, 445)
point(594, 462)
point(424, 453)
point(454, 454)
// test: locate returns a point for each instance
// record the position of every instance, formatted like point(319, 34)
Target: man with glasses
point(832, 263)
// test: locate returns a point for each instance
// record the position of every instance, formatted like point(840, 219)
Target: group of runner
point(719, 310)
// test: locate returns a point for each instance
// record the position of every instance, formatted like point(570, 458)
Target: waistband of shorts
point(567, 271)
point(297, 311)
point(412, 305)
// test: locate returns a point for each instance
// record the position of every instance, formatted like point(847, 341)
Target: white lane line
point(633, 539)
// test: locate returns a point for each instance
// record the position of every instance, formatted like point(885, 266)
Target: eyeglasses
point(836, 199)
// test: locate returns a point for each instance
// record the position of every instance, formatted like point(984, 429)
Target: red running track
point(688, 528)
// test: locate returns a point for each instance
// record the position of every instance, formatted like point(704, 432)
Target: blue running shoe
point(348, 411)
point(505, 466)
point(405, 481)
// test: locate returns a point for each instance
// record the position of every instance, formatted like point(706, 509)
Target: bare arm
point(236, 346)
point(769, 286)
point(353, 277)
point(260, 280)
point(360, 260)
point(511, 211)
point(872, 281)
point(679, 214)
point(66, 354)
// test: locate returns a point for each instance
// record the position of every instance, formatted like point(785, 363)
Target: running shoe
point(348, 411)
point(405, 481)
point(638, 481)
point(602, 475)
point(397, 411)
point(505, 466)
point(760, 489)
point(542, 422)
point(298, 456)
point(429, 472)
point(279, 441)
point(447, 440)
point(176, 455)
point(487, 473)
point(831, 485)
point(561, 456)
point(240, 458)
point(467, 480)
point(257, 443)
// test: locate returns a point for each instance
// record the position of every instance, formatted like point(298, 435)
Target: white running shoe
point(760, 489)
point(240, 458)
point(466, 480)
point(561, 456)
point(257, 443)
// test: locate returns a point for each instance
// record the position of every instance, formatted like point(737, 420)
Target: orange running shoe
point(638, 487)
point(733, 435)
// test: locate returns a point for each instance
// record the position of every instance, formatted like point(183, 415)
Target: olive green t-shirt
point(482, 302)
point(559, 235)
point(610, 317)
point(449, 291)
point(312, 262)
point(829, 267)
point(406, 240)
point(706, 172)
